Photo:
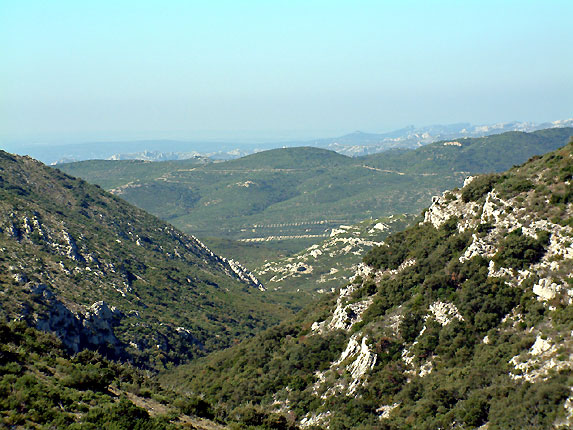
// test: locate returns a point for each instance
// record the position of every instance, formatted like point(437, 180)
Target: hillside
point(302, 157)
point(493, 153)
point(42, 386)
point(328, 264)
point(463, 320)
point(299, 195)
point(105, 275)
point(114, 173)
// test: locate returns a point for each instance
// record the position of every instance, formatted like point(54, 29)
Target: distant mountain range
point(353, 144)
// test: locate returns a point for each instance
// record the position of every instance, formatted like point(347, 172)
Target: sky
point(111, 70)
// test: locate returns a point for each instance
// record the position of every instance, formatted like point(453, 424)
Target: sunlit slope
point(104, 274)
point(463, 320)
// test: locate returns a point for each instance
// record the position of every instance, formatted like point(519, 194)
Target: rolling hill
point(301, 194)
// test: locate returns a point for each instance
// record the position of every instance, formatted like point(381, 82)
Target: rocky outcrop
point(92, 328)
point(363, 362)
point(72, 247)
point(502, 216)
point(233, 268)
point(98, 323)
point(444, 312)
point(243, 274)
point(345, 314)
point(541, 360)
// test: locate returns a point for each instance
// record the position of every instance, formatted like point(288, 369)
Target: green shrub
point(512, 185)
point(195, 405)
point(519, 251)
point(123, 415)
point(562, 198)
point(411, 326)
point(479, 187)
point(88, 377)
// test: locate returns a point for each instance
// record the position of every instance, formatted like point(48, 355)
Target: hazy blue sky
point(187, 69)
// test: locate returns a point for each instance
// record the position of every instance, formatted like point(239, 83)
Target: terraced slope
point(103, 274)
point(299, 195)
point(328, 264)
point(464, 320)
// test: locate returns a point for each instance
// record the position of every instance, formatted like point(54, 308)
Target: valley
point(286, 215)
point(286, 315)
point(103, 274)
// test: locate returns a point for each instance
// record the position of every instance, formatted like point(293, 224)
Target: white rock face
point(72, 248)
point(407, 356)
point(437, 215)
point(546, 289)
point(99, 321)
point(361, 270)
point(444, 312)
point(244, 275)
point(311, 420)
point(540, 346)
point(426, 369)
point(405, 264)
point(356, 360)
point(386, 410)
point(379, 226)
point(363, 363)
point(479, 246)
point(541, 358)
point(468, 180)
point(346, 315)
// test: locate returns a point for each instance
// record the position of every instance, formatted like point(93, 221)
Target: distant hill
point(298, 195)
point(290, 194)
point(463, 320)
point(493, 153)
point(105, 275)
point(114, 173)
point(302, 157)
